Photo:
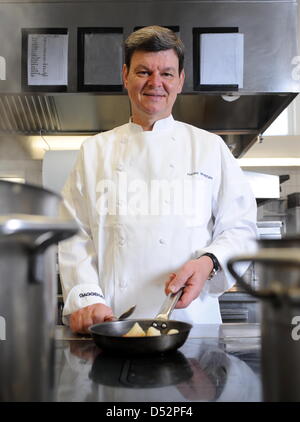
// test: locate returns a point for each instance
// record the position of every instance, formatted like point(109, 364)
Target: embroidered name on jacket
point(200, 173)
point(90, 294)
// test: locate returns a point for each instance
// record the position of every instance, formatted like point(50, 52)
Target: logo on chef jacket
point(2, 69)
point(2, 328)
point(296, 330)
point(296, 70)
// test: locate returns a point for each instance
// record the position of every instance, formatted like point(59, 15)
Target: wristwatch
point(216, 264)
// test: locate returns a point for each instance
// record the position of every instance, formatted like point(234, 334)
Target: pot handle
point(267, 256)
point(37, 233)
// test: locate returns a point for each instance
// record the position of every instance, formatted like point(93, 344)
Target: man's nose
point(155, 79)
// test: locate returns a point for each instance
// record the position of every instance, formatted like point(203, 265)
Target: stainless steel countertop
point(216, 363)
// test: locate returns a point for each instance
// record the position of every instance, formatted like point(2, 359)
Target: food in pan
point(173, 331)
point(152, 332)
point(135, 331)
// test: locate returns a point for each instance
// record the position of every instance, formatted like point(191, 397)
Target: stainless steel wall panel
point(270, 29)
point(271, 42)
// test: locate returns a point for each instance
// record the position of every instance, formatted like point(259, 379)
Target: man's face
point(152, 82)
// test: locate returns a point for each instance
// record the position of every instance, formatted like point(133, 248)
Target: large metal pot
point(278, 263)
point(29, 226)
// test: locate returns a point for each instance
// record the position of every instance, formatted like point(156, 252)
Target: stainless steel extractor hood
point(270, 44)
point(238, 123)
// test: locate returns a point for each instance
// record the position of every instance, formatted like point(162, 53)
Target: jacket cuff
point(222, 281)
point(80, 296)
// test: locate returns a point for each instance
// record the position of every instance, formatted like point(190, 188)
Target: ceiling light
point(230, 97)
point(38, 145)
point(13, 179)
point(59, 143)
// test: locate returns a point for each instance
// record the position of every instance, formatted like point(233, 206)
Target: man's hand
point(89, 315)
point(192, 276)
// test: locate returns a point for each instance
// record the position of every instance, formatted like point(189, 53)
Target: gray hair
point(154, 38)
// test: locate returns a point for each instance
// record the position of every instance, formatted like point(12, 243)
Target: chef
point(160, 204)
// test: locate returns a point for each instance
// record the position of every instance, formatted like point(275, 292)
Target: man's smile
point(150, 94)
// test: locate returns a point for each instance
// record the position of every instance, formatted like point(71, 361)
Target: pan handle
point(168, 305)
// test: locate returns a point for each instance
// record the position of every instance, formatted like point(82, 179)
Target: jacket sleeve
point(234, 213)
point(78, 265)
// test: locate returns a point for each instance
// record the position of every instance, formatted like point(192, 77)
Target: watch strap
point(216, 264)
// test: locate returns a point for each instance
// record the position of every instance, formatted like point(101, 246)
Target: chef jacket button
point(171, 165)
point(121, 242)
point(123, 141)
point(173, 138)
point(120, 167)
point(123, 284)
point(162, 241)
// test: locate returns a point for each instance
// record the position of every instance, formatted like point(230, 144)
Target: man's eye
point(143, 72)
point(168, 75)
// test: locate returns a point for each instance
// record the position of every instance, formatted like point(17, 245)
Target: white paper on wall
point(222, 59)
point(47, 59)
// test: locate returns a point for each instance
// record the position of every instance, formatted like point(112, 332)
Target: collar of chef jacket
point(159, 125)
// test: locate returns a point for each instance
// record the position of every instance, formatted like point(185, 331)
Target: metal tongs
point(164, 312)
point(167, 308)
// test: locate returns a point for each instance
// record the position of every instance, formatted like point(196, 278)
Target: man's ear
point(125, 75)
point(181, 81)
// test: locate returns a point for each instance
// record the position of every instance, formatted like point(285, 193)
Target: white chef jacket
point(134, 234)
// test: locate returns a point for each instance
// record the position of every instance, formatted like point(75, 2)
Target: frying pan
point(109, 335)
